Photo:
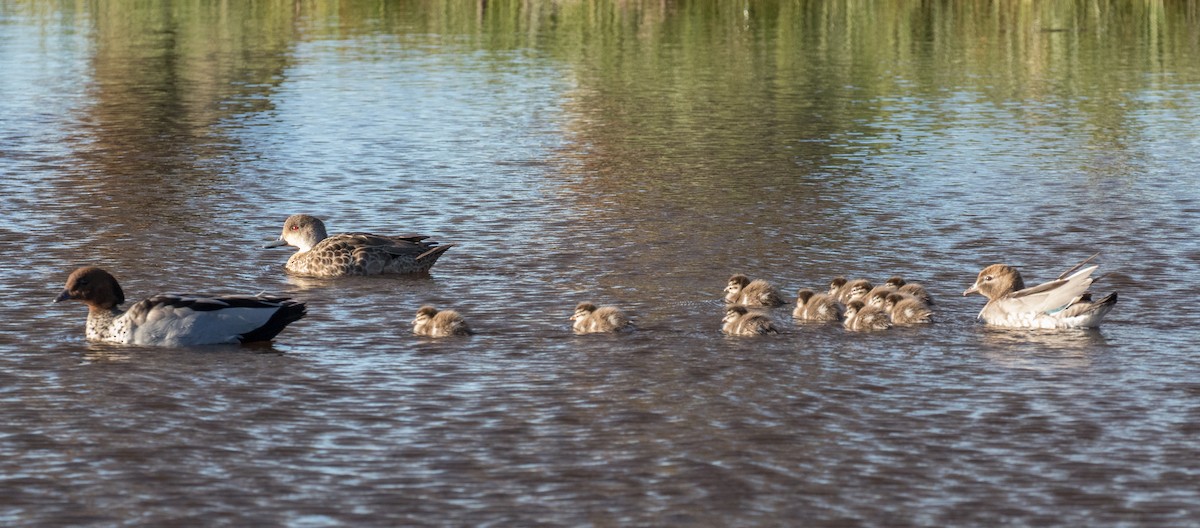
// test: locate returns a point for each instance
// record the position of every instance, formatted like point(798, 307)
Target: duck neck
point(100, 323)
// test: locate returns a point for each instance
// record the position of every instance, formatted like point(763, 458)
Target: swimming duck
point(860, 317)
point(1060, 303)
point(906, 309)
point(430, 322)
point(742, 322)
point(589, 319)
point(812, 306)
point(321, 255)
point(757, 292)
point(176, 320)
point(845, 291)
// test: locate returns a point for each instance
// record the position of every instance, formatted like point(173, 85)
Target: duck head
point(92, 286)
point(996, 281)
point(302, 231)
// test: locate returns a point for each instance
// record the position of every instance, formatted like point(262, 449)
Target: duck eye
point(987, 278)
point(295, 227)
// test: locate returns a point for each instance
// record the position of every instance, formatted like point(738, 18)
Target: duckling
point(916, 290)
point(1060, 303)
point(742, 290)
point(589, 319)
point(860, 317)
point(895, 282)
point(906, 309)
point(877, 296)
point(845, 291)
point(812, 306)
point(742, 322)
point(433, 323)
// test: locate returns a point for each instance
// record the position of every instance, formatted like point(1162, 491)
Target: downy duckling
point(741, 290)
point(860, 317)
point(739, 321)
point(812, 306)
point(918, 291)
point(906, 309)
point(433, 323)
point(588, 319)
point(845, 291)
point(877, 296)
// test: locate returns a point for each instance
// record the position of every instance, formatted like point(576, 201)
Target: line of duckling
point(857, 304)
point(180, 320)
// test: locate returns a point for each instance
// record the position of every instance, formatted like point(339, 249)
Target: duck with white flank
point(176, 320)
point(589, 319)
point(742, 322)
point(430, 322)
point(1060, 303)
point(321, 255)
point(741, 290)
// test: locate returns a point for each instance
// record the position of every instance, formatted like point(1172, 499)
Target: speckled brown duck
point(321, 255)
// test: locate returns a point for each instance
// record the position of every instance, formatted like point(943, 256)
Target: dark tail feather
point(288, 313)
point(432, 255)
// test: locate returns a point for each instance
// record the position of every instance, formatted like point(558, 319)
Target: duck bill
point(65, 295)
point(275, 243)
point(973, 289)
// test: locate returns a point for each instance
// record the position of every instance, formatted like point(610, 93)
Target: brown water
point(635, 154)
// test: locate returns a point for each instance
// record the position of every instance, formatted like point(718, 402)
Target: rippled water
point(632, 154)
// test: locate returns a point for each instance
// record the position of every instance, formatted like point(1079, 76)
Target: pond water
point(632, 153)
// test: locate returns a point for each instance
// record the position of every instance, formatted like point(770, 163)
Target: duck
point(320, 255)
point(905, 309)
point(175, 320)
point(739, 321)
point(1060, 303)
point(741, 290)
point(813, 306)
point(848, 290)
point(861, 317)
point(430, 322)
point(590, 319)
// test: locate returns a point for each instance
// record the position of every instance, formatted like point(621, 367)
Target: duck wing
point(171, 319)
point(1051, 296)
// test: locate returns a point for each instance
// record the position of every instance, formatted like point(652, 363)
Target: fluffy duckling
point(812, 306)
point(320, 255)
point(894, 282)
point(742, 290)
point(742, 322)
point(1060, 303)
point(898, 284)
point(916, 290)
point(589, 319)
point(176, 320)
point(877, 297)
point(860, 317)
point(433, 323)
point(845, 291)
point(906, 309)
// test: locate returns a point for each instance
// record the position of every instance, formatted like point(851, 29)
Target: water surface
point(635, 154)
